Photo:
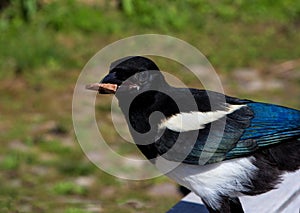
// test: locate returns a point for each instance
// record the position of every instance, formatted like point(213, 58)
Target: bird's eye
point(142, 77)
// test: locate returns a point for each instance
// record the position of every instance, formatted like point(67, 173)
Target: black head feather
point(134, 64)
point(134, 74)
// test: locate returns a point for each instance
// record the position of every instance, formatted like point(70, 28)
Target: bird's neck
point(142, 122)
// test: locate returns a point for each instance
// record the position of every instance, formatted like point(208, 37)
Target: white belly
point(227, 178)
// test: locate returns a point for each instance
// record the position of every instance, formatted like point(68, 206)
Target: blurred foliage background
point(44, 44)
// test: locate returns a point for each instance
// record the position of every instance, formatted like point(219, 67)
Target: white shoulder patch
point(188, 121)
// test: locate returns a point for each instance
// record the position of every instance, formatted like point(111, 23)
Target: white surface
point(284, 199)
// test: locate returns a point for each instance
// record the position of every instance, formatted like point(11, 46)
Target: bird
point(224, 147)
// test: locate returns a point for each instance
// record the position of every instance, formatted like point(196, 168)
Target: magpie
point(225, 147)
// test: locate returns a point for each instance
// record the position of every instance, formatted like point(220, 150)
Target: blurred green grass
point(45, 44)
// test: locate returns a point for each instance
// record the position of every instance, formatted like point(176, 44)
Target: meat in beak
point(103, 88)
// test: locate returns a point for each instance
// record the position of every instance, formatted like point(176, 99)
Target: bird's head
point(130, 75)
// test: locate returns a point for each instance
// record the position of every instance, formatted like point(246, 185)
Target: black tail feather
point(286, 155)
point(228, 205)
point(272, 163)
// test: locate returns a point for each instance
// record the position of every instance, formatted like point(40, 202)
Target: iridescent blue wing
point(241, 133)
point(271, 124)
